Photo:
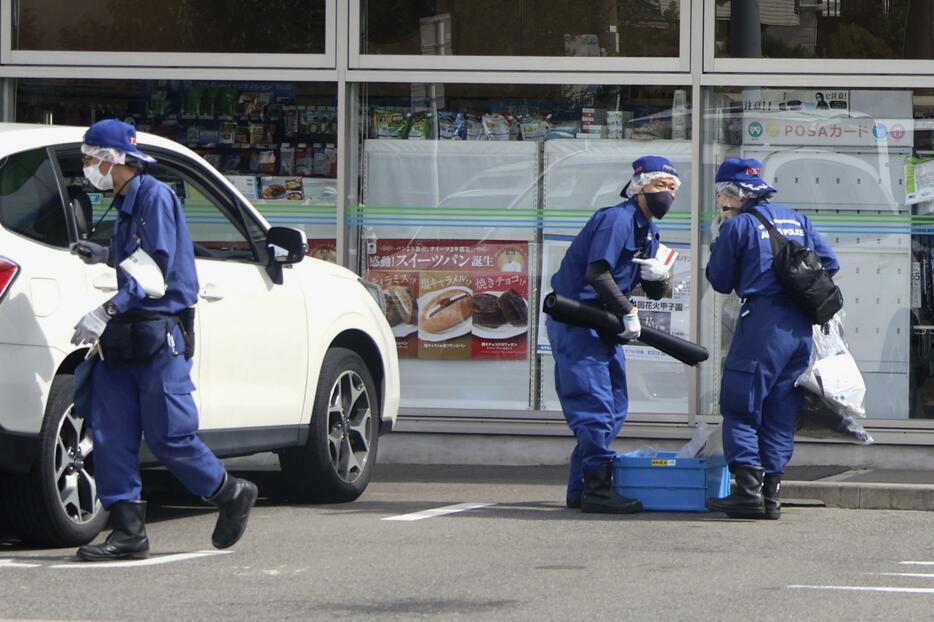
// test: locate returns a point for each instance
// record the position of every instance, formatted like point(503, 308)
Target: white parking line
point(917, 563)
point(448, 509)
point(152, 561)
point(918, 575)
point(12, 563)
point(861, 588)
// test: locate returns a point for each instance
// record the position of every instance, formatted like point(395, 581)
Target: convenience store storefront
point(445, 146)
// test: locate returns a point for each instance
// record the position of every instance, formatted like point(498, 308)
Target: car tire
point(56, 505)
point(337, 461)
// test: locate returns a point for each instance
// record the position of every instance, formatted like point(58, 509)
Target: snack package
point(534, 127)
point(227, 133)
point(304, 160)
point(320, 163)
point(290, 117)
point(330, 154)
point(474, 127)
point(452, 126)
point(419, 126)
point(390, 124)
point(286, 159)
point(563, 129)
point(496, 127)
point(266, 161)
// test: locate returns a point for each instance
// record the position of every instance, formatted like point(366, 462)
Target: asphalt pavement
point(472, 543)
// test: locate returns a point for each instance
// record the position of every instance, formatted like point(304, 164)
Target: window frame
point(184, 166)
point(632, 64)
point(70, 227)
point(823, 66)
point(326, 60)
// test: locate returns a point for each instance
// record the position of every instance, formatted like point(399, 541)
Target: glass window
point(235, 26)
point(275, 141)
point(858, 168)
point(30, 203)
point(824, 29)
point(468, 197)
point(597, 28)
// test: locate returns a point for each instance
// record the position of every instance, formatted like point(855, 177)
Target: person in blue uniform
point(145, 337)
point(772, 342)
point(612, 254)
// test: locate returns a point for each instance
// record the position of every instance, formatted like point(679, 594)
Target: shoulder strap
point(776, 238)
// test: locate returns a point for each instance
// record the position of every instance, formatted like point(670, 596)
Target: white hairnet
point(641, 180)
point(104, 154)
point(732, 190)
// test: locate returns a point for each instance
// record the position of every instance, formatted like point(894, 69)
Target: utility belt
point(140, 335)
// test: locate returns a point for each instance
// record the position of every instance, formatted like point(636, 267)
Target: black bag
point(803, 276)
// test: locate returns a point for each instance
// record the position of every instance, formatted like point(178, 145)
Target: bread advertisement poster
point(445, 315)
point(400, 296)
point(454, 299)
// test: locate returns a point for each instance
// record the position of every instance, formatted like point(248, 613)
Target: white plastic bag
point(832, 373)
point(707, 441)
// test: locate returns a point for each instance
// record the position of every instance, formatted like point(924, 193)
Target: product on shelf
point(452, 126)
point(286, 159)
point(304, 160)
point(391, 124)
point(420, 126)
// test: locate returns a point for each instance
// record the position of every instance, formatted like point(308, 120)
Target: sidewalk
point(868, 489)
point(831, 486)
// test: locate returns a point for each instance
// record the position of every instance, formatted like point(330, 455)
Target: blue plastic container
point(664, 482)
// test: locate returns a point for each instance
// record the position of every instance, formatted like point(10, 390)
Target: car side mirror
point(286, 245)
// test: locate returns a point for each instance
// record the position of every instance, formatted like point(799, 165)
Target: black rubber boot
point(746, 500)
point(599, 496)
point(573, 503)
point(235, 499)
point(771, 489)
point(128, 539)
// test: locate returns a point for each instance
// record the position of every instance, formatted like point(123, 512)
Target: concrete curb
point(863, 495)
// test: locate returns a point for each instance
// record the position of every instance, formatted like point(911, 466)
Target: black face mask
point(658, 203)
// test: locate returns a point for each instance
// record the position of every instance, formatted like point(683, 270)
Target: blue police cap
point(654, 164)
point(651, 164)
point(115, 134)
point(745, 174)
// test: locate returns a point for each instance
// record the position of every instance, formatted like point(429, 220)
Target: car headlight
point(376, 292)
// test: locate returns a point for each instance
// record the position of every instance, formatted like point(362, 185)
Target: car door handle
point(106, 283)
point(211, 292)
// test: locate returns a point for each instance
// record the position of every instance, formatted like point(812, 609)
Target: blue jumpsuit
point(150, 397)
point(590, 375)
point(772, 342)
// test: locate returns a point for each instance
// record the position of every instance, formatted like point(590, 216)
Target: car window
point(30, 203)
point(214, 221)
point(216, 226)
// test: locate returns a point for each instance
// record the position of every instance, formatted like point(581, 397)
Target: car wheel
point(336, 463)
point(56, 504)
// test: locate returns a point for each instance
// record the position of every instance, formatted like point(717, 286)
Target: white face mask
point(98, 179)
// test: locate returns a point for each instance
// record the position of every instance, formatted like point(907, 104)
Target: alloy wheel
point(74, 469)
point(350, 422)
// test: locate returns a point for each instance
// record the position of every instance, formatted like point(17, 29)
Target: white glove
point(715, 227)
point(89, 252)
point(91, 327)
point(652, 269)
point(631, 326)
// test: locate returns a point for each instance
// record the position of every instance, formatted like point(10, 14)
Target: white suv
point(296, 359)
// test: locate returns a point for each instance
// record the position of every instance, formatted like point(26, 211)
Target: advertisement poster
point(816, 117)
point(454, 299)
point(324, 249)
point(670, 314)
point(919, 180)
